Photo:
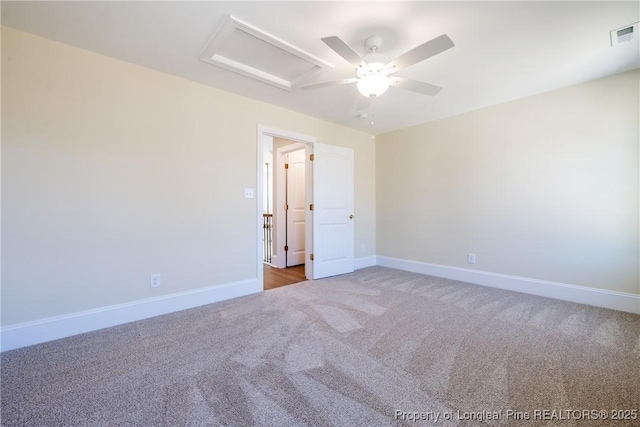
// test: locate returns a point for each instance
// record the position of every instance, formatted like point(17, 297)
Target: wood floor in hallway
point(277, 277)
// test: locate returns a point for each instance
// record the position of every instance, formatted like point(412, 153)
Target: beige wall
point(112, 172)
point(545, 187)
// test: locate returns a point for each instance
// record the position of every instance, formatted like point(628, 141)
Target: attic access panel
point(254, 53)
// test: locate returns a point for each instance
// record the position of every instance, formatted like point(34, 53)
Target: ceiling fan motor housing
point(373, 43)
point(375, 63)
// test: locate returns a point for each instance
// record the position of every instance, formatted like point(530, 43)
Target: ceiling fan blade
point(420, 53)
point(415, 86)
point(333, 83)
point(363, 103)
point(343, 49)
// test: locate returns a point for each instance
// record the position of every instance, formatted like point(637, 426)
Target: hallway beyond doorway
point(277, 277)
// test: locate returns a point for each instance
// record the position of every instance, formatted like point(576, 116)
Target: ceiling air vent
point(624, 34)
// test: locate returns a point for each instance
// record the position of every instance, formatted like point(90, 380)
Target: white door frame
point(295, 137)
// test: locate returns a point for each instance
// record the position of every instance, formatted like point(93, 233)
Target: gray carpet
point(358, 349)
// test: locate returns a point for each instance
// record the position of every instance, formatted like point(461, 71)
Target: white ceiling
point(504, 50)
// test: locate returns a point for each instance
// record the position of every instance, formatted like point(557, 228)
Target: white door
point(333, 219)
point(296, 204)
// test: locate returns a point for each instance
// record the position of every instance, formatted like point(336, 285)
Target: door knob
point(351, 216)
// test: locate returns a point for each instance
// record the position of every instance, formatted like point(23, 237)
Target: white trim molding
point(365, 262)
point(52, 328)
point(581, 294)
point(257, 39)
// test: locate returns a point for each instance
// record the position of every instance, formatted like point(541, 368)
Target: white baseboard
point(365, 262)
point(39, 331)
point(581, 294)
point(276, 262)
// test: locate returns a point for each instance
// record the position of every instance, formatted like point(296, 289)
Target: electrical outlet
point(155, 280)
point(471, 258)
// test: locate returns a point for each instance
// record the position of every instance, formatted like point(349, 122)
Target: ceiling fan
point(374, 71)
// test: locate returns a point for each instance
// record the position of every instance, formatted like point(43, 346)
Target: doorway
point(329, 205)
point(285, 218)
point(284, 194)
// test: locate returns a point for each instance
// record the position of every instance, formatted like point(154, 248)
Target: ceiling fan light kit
point(373, 79)
point(373, 85)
